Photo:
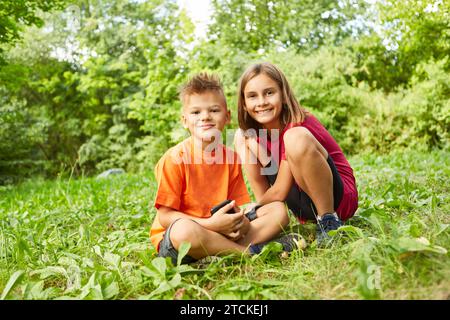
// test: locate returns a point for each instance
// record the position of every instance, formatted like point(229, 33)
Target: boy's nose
point(205, 115)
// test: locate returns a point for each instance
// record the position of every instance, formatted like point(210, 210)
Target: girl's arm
point(254, 158)
point(281, 187)
point(247, 149)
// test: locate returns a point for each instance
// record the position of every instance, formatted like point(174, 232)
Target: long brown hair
point(292, 111)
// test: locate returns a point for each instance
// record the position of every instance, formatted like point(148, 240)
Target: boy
point(199, 173)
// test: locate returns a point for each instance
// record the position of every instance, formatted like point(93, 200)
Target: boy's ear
point(184, 121)
point(228, 117)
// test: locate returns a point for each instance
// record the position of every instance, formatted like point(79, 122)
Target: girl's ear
point(228, 117)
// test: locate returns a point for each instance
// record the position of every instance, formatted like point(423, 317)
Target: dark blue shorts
point(301, 204)
point(166, 248)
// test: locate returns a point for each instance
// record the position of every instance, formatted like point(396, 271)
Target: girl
point(314, 177)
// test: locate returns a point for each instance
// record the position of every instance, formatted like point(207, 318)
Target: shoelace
point(327, 224)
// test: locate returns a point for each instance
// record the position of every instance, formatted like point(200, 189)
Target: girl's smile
point(265, 111)
point(263, 101)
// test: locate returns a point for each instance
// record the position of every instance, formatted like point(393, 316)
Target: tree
point(409, 33)
point(96, 95)
point(301, 24)
point(15, 14)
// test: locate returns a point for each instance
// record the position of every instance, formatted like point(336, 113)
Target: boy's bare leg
point(203, 242)
point(271, 221)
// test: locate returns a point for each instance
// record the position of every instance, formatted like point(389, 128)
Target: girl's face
point(263, 101)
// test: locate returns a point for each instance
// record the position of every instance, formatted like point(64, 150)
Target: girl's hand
point(250, 206)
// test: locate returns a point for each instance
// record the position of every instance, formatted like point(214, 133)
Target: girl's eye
point(269, 93)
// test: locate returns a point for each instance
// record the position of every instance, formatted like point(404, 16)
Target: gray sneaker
point(290, 242)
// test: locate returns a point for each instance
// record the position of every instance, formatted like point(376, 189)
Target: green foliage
point(112, 104)
point(303, 25)
point(409, 33)
point(88, 239)
point(96, 87)
point(323, 84)
point(416, 117)
point(361, 118)
point(15, 14)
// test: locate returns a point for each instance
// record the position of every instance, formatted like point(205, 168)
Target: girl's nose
point(261, 100)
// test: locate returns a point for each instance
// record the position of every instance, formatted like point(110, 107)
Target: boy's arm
point(222, 222)
point(281, 187)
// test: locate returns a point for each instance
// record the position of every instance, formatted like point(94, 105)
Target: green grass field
point(88, 239)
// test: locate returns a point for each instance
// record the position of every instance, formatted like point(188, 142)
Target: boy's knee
point(184, 230)
point(278, 212)
point(282, 214)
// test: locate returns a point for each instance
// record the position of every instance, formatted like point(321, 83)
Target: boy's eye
point(216, 110)
point(195, 112)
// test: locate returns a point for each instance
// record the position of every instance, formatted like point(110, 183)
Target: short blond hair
point(200, 83)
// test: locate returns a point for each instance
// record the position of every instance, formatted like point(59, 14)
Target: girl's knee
point(300, 143)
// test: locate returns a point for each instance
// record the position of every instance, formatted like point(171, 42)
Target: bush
point(364, 119)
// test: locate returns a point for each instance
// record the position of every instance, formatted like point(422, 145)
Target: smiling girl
point(314, 177)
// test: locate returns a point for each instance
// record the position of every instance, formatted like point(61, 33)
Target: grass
point(88, 239)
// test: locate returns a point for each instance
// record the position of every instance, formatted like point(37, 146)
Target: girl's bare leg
point(307, 160)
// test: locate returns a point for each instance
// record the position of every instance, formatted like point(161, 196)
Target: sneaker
point(289, 242)
point(328, 222)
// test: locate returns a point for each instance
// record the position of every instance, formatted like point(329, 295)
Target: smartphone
point(220, 205)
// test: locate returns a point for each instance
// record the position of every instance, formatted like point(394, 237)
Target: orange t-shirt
point(194, 182)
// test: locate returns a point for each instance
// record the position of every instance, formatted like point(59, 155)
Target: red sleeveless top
point(349, 202)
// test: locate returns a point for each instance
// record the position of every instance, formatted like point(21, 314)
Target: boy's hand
point(241, 228)
point(226, 223)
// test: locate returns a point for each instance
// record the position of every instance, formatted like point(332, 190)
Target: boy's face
point(205, 115)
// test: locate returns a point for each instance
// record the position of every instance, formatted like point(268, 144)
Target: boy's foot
point(289, 242)
point(328, 222)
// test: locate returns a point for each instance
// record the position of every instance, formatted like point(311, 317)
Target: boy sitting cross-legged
point(198, 174)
